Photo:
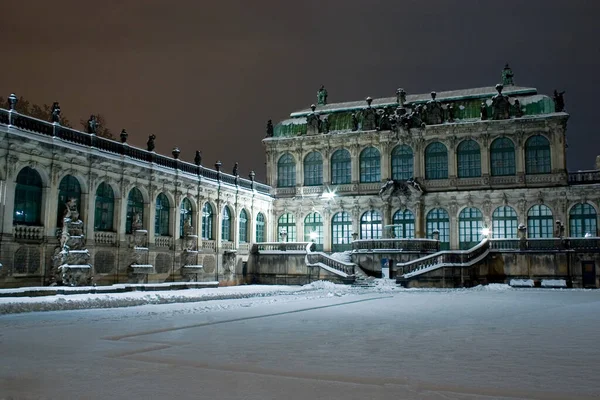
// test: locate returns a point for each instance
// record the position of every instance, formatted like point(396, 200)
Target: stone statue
point(500, 105)
point(12, 101)
point(518, 109)
point(92, 125)
point(369, 117)
point(413, 120)
point(136, 222)
point(235, 170)
point(269, 128)
point(393, 187)
point(188, 229)
point(483, 110)
point(434, 112)
point(354, 122)
point(322, 96)
point(325, 125)
point(55, 112)
point(450, 110)
point(313, 122)
point(507, 76)
point(198, 158)
point(383, 120)
point(124, 136)
point(413, 182)
point(400, 96)
point(150, 143)
point(559, 101)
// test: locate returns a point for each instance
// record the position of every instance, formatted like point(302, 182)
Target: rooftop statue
point(400, 96)
point(198, 158)
point(483, 111)
point(500, 105)
point(55, 112)
point(325, 125)
point(235, 170)
point(322, 96)
point(507, 76)
point(434, 114)
point(369, 116)
point(559, 101)
point(269, 128)
point(354, 122)
point(92, 125)
point(150, 142)
point(313, 122)
point(518, 109)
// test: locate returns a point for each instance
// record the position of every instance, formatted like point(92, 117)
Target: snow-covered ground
point(320, 341)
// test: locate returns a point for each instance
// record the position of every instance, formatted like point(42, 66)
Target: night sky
point(208, 75)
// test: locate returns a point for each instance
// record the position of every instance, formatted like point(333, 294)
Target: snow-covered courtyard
point(320, 341)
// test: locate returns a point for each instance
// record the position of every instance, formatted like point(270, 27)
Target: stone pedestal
point(139, 269)
point(190, 268)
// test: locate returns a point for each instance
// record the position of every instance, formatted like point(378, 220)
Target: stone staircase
point(361, 279)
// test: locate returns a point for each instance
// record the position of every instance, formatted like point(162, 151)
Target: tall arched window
point(468, 159)
point(504, 223)
point(341, 232)
point(371, 225)
point(470, 224)
point(207, 222)
point(260, 228)
point(540, 223)
point(402, 162)
point(436, 161)
point(135, 208)
point(185, 214)
point(226, 225)
point(404, 224)
point(313, 230)
point(341, 167)
point(286, 171)
point(502, 157)
point(370, 161)
point(437, 219)
point(68, 189)
point(287, 224)
point(161, 220)
point(243, 226)
point(105, 208)
point(537, 155)
point(582, 221)
point(28, 198)
point(313, 169)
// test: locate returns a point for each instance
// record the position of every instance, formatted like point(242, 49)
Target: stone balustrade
point(26, 232)
point(416, 245)
point(105, 238)
point(163, 242)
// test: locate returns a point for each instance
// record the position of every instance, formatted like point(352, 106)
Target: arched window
point(28, 198)
point(502, 157)
point(243, 226)
point(371, 225)
point(537, 155)
point(68, 189)
point(341, 167)
point(436, 161)
point(504, 223)
point(226, 225)
point(470, 224)
point(185, 214)
point(161, 220)
point(207, 222)
point(370, 160)
point(341, 232)
point(135, 208)
point(313, 169)
point(437, 219)
point(468, 159)
point(105, 208)
point(404, 224)
point(313, 230)
point(286, 171)
point(582, 221)
point(540, 223)
point(287, 225)
point(260, 228)
point(402, 162)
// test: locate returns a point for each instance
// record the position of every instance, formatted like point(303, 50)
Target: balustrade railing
point(208, 244)
point(418, 245)
point(449, 258)
point(322, 258)
point(588, 176)
point(109, 238)
point(280, 246)
point(227, 245)
point(546, 244)
point(31, 124)
point(26, 232)
point(163, 241)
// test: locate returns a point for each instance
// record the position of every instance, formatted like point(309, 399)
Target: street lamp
point(485, 232)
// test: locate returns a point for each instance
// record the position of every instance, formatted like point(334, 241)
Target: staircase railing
point(338, 267)
point(448, 258)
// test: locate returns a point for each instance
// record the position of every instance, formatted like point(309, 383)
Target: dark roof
point(449, 95)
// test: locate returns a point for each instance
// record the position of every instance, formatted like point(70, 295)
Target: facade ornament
point(150, 142)
point(313, 122)
point(487, 206)
point(414, 119)
point(354, 122)
point(12, 101)
point(55, 113)
point(507, 76)
point(124, 136)
point(235, 169)
point(325, 125)
point(500, 104)
point(434, 114)
point(269, 128)
point(92, 125)
point(540, 197)
point(450, 111)
point(322, 96)
point(483, 111)
point(400, 97)
point(176, 152)
point(198, 158)
point(559, 101)
point(518, 109)
point(504, 198)
point(369, 115)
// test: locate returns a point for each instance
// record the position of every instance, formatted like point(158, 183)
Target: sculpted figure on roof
point(313, 122)
point(500, 105)
point(559, 101)
point(434, 114)
point(507, 76)
point(322, 96)
point(400, 96)
point(369, 117)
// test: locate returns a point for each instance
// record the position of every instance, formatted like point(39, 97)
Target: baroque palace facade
point(460, 165)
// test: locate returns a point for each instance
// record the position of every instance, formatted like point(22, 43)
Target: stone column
point(385, 166)
point(326, 168)
point(451, 162)
point(50, 209)
point(326, 230)
point(299, 168)
point(8, 192)
point(387, 219)
point(418, 163)
point(419, 220)
point(355, 163)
